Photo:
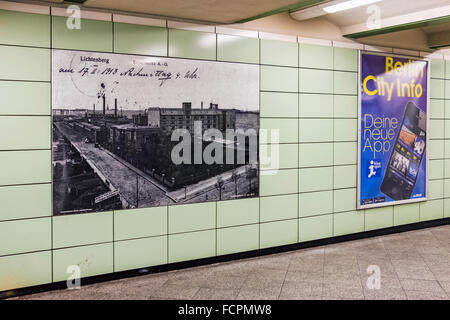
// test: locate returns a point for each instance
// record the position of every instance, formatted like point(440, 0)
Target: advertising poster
point(392, 130)
point(135, 131)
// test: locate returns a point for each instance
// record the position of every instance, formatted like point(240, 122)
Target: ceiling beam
point(292, 7)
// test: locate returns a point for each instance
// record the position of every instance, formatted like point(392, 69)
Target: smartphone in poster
point(392, 130)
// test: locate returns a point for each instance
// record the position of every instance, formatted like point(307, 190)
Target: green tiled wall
point(308, 92)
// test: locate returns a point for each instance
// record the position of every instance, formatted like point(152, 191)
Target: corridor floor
point(412, 265)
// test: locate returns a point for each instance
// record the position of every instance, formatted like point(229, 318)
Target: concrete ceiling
point(218, 11)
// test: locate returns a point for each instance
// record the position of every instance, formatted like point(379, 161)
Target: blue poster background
point(376, 84)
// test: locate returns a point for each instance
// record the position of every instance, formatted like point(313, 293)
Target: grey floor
point(413, 265)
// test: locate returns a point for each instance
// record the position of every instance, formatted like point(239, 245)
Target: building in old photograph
point(127, 156)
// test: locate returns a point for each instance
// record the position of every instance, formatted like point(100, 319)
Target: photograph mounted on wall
point(136, 131)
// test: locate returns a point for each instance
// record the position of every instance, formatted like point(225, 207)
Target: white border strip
point(190, 26)
point(237, 32)
point(24, 7)
point(120, 18)
point(350, 45)
point(276, 36)
point(320, 42)
point(92, 15)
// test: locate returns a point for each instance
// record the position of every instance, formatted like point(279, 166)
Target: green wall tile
point(431, 210)
point(348, 223)
point(446, 188)
point(20, 63)
point(237, 239)
point(446, 168)
point(287, 129)
point(315, 179)
point(139, 223)
point(24, 98)
point(315, 203)
point(315, 81)
point(313, 228)
point(94, 35)
point(20, 236)
point(281, 53)
point(437, 129)
point(139, 253)
point(379, 218)
point(274, 182)
point(436, 189)
point(315, 154)
point(345, 82)
point(345, 153)
point(447, 89)
point(270, 208)
point(345, 129)
point(315, 130)
point(23, 167)
point(436, 149)
point(437, 109)
point(446, 208)
point(344, 200)
point(34, 132)
point(315, 56)
point(25, 270)
point(237, 49)
point(447, 129)
point(447, 109)
point(192, 44)
point(315, 106)
point(437, 68)
point(278, 233)
point(345, 106)
point(92, 260)
point(192, 217)
point(406, 213)
point(279, 79)
point(287, 156)
point(279, 105)
point(345, 176)
point(140, 39)
point(437, 89)
point(82, 229)
point(192, 245)
point(447, 149)
point(447, 69)
point(345, 59)
point(435, 169)
point(237, 212)
point(38, 201)
point(27, 29)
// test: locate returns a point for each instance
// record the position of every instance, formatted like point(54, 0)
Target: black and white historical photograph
point(136, 131)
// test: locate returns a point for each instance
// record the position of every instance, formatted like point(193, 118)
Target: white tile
point(93, 15)
point(378, 48)
point(351, 45)
point(190, 26)
point(237, 32)
point(139, 20)
point(431, 55)
point(276, 36)
point(320, 42)
point(24, 7)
